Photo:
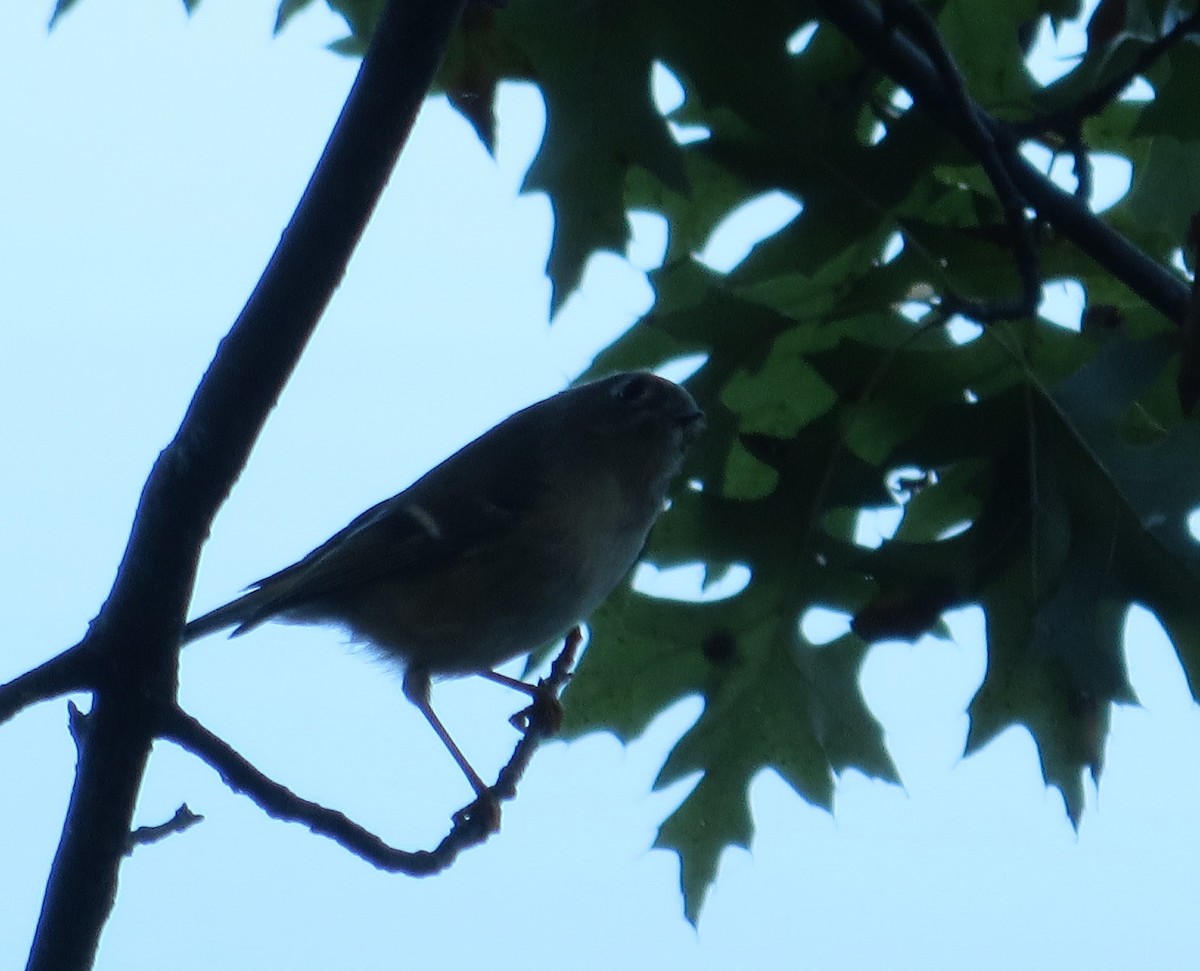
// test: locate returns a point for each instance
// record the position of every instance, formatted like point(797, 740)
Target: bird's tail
point(242, 614)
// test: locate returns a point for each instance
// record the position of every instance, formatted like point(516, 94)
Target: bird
point(501, 549)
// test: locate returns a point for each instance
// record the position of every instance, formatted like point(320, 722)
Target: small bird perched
point(502, 548)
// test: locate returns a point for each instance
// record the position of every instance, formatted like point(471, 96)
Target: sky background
point(150, 162)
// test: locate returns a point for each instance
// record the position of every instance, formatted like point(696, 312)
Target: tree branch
point(72, 670)
point(862, 22)
point(471, 826)
point(133, 643)
point(280, 802)
point(1067, 121)
point(977, 136)
point(184, 819)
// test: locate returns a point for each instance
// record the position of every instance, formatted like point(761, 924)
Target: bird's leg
point(546, 711)
point(515, 683)
point(416, 690)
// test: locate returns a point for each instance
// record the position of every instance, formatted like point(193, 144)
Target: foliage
point(884, 349)
point(1045, 473)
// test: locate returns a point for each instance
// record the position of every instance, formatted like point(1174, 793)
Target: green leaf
point(772, 700)
point(361, 16)
point(1043, 474)
point(588, 150)
point(984, 38)
point(1176, 79)
point(766, 711)
point(287, 10)
point(61, 7)
point(1165, 193)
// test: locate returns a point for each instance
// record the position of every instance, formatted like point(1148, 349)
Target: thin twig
point(183, 819)
point(470, 826)
point(910, 67)
point(1067, 121)
point(977, 135)
point(135, 636)
point(72, 670)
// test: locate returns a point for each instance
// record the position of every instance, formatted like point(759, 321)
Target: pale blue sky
point(149, 165)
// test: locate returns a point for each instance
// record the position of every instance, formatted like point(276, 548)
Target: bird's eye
point(632, 389)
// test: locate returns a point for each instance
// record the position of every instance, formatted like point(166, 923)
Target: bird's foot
point(482, 817)
point(544, 715)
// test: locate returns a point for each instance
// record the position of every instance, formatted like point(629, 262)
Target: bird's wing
point(396, 536)
point(425, 526)
point(445, 513)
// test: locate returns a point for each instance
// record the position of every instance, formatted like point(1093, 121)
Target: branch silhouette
point(472, 825)
point(72, 670)
point(911, 66)
point(129, 657)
